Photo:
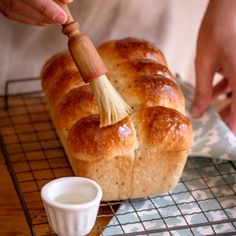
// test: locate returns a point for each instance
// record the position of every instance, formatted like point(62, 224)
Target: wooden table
point(12, 218)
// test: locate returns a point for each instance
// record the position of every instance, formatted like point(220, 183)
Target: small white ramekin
point(71, 219)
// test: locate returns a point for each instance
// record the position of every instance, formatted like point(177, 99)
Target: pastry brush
point(111, 105)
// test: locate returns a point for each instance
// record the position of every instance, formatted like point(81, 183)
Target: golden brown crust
point(147, 66)
point(127, 72)
point(68, 81)
point(130, 49)
point(78, 103)
point(153, 90)
point(141, 155)
point(164, 129)
point(54, 68)
point(89, 142)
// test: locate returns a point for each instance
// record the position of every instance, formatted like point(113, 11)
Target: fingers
point(224, 113)
point(34, 12)
point(229, 116)
point(49, 9)
point(23, 13)
point(204, 88)
point(228, 113)
point(231, 119)
point(221, 87)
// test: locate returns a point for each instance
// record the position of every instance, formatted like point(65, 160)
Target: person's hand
point(216, 53)
point(34, 12)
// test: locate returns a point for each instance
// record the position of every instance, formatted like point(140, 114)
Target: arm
point(216, 53)
point(34, 12)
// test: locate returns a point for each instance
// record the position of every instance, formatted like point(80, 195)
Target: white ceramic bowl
point(71, 205)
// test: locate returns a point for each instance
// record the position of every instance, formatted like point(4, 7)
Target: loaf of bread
point(145, 153)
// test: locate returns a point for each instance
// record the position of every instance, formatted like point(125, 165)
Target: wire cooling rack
point(203, 202)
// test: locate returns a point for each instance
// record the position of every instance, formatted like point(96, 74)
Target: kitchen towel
point(212, 138)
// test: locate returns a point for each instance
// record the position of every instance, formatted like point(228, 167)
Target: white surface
point(71, 219)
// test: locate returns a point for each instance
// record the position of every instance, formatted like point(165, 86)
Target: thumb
point(203, 90)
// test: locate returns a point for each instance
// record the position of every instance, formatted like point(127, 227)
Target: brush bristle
point(111, 105)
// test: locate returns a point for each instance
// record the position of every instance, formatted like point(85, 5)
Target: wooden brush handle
point(84, 53)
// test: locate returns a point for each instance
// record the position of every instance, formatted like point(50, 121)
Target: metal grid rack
point(203, 202)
